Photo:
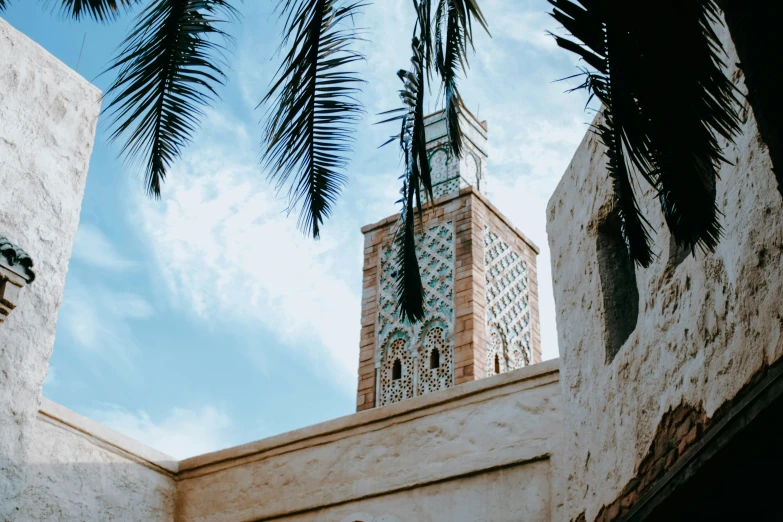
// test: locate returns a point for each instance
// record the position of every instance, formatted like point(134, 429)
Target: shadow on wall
point(618, 285)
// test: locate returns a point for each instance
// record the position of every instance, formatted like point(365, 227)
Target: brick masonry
point(470, 212)
point(680, 428)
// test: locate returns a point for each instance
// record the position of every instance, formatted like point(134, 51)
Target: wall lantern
point(16, 272)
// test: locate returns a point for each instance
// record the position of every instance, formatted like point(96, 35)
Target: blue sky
point(205, 319)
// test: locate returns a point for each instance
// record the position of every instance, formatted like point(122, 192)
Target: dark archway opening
point(434, 359)
point(497, 364)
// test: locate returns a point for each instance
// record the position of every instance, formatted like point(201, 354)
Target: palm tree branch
point(167, 70)
point(668, 99)
point(449, 65)
point(453, 34)
point(99, 10)
point(416, 176)
point(314, 107)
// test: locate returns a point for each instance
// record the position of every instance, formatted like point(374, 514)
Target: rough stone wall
point(484, 451)
point(706, 324)
point(47, 126)
point(469, 214)
point(79, 470)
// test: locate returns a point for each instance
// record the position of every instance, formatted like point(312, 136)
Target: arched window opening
point(397, 370)
point(497, 364)
point(434, 359)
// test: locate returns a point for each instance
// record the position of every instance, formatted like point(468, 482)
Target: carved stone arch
point(497, 350)
point(472, 174)
point(520, 355)
point(393, 333)
point(444, 172)
point(396, 348)
point(435, 334)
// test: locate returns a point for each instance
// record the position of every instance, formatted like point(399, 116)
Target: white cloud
point(98, 322)
point(181, 433)
point(228, 253)
point(527, 24)
point(92, 247)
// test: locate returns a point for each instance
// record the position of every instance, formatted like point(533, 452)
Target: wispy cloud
point(228, 253)
point(98, 322)
point(181, 433)
point(92, 247)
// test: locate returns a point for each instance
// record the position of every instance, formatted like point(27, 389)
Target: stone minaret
point(479, 276)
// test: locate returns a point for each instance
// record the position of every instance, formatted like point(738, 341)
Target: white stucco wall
point(48, 115)
point(80, 470)
point(485, 451)
point(704, 326)
point(482, 451)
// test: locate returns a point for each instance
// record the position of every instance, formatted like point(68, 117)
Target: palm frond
point(467, 11)
point(690, 101)
point(754, 26)
point(451, 59)
point(416, 176)
point(633, 226)
point(453, 34)
point(409, 290)
point(100, 10)
point(412, 136)
point(424, 29)
point(3, 5)
point(167, 71)
point(667, 99)
point(309, 127)
point(452, 18)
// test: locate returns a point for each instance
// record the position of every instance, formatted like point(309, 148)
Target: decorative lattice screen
point(508, 314)
point(436, 262)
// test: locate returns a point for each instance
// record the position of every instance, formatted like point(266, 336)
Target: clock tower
point(479, 277)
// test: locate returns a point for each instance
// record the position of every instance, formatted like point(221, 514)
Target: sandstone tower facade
point(479, 277)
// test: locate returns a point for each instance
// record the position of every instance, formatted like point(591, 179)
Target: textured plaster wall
point(705, 326)
point(79, 470)
point(482, 451)
point(47, 126)
point(486, 451)
point(513, 494)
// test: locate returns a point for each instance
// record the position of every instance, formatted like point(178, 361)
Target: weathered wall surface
point(47, 126)
point(706, 324)
point(513, 494)
point(80, 470)
point(482, 451)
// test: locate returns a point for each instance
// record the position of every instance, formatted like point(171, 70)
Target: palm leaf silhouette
point(667, 99)
point(309, 128)
point(100, 10)
point(167, 71)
